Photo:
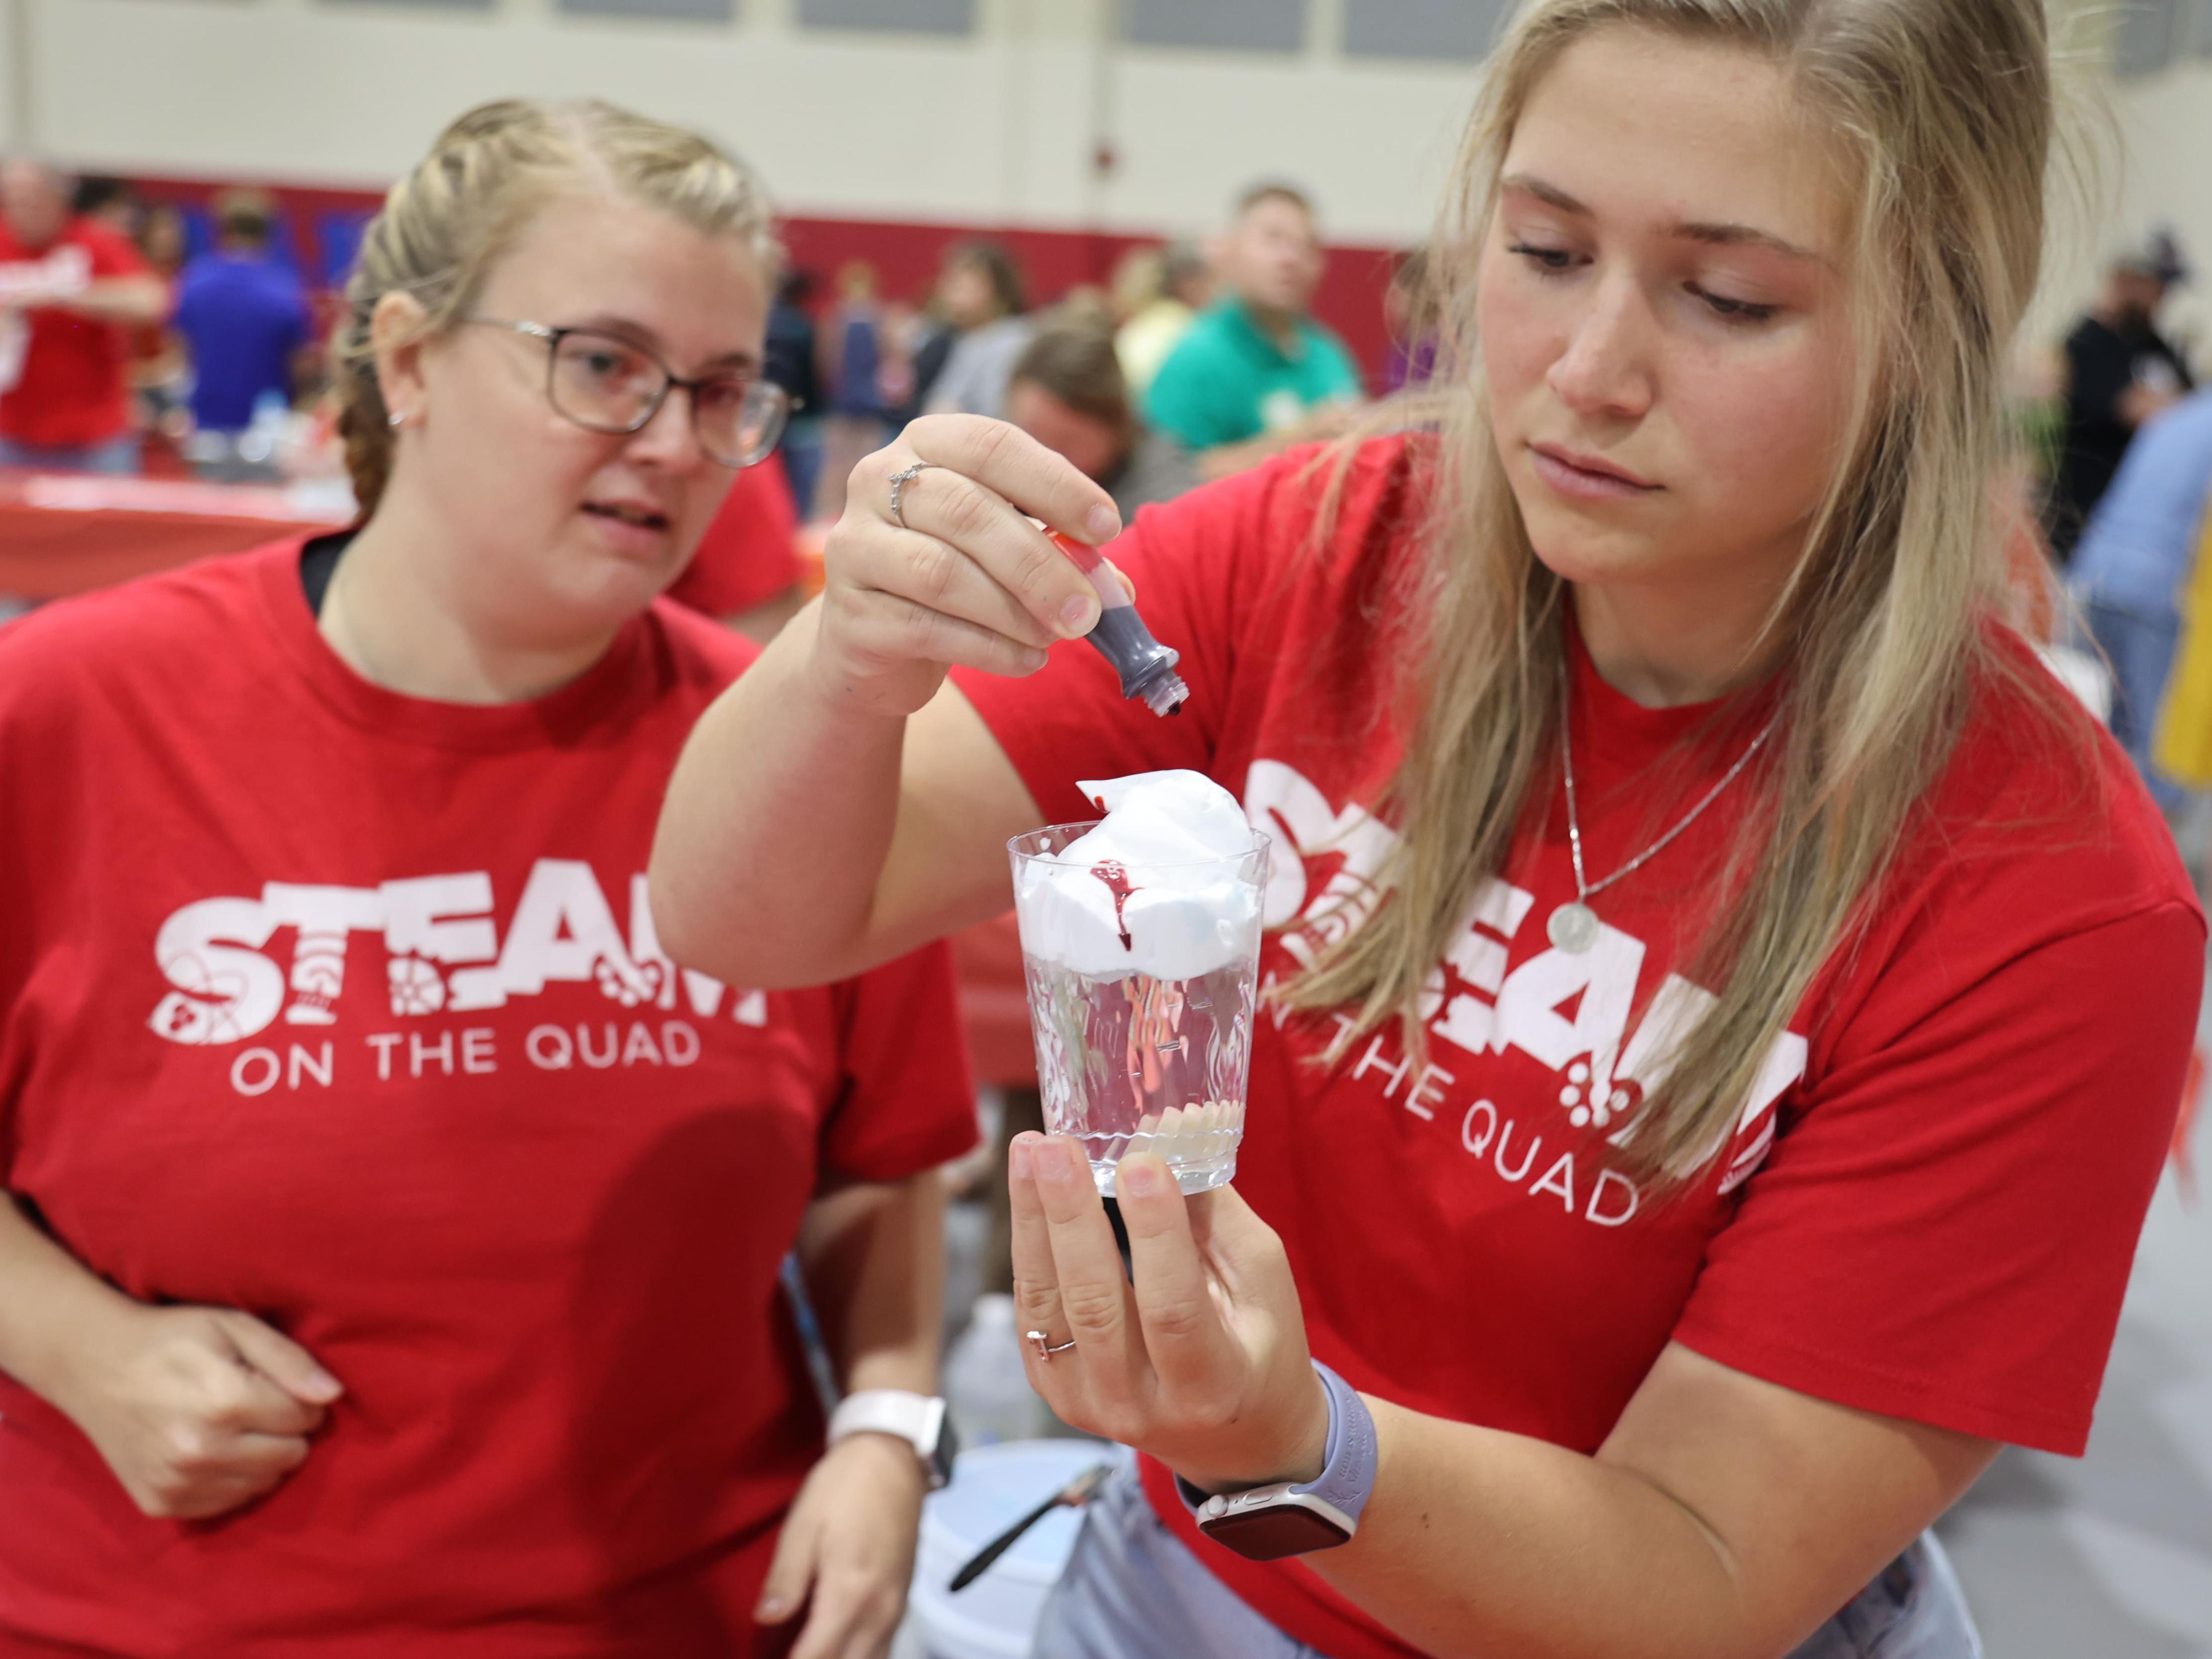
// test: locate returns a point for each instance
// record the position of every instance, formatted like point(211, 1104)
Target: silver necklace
point(1573, 927)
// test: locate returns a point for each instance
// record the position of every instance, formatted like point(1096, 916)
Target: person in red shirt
point(72, 291)
point(746, 570)
point(1726, 1004)
point(393, 1263)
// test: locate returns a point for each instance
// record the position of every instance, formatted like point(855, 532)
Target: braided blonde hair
point(445, 225)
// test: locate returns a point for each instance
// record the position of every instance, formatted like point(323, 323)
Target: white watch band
point(916, 1419)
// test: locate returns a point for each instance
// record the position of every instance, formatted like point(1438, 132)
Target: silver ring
point(900, 480)
point(1043, 1350)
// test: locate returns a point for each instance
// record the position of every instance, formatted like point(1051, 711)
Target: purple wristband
point(1347, 1473)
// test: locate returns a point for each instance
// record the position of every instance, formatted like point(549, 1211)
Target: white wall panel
point(1001, 126)
point(1218, 25)
point(922, 17)
point(14, 72)
point(1373, 145)
point(998, 127)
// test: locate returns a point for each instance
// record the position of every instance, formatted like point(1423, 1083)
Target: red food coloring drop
point(1117, 883)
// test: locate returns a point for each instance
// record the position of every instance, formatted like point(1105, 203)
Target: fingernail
point(1103, 524)
point(1137, 1178)
point(1020, 1159)
point(1033, 660)
point(1051, 1164)
point(1078, 616)
point(324, 1384)
point(770, 1610)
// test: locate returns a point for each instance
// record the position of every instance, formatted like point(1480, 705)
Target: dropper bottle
point(1147, 668)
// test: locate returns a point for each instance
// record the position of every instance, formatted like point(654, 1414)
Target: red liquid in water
point(1117, 883)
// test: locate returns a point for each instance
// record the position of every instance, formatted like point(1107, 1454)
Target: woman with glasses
point(394, 1259)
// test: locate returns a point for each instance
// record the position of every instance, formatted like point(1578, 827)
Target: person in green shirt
point(1256, 373)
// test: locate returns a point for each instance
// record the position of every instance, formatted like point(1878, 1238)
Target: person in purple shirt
point(243, 314)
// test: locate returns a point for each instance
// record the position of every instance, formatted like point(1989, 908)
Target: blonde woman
point(393, 1267)
point(1730, 1006)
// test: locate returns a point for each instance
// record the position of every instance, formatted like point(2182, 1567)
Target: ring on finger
point(899, 481)
point(1045, 1350)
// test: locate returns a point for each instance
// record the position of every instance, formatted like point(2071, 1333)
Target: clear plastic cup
point(1131, 1062)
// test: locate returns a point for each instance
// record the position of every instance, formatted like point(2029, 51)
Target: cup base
point(1200, 1177)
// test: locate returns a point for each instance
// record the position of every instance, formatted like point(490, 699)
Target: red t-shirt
point(1929, 1206)
point(750, 553)
point(71, 386)
point(345, 1008)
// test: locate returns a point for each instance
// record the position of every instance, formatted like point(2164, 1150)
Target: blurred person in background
point(161, 364)
point(1090, 304)
point(1408, 313)
point(980, 297)
point(792, 362)
point(1255, 374)
point(160, 372)
point(1134, 281)
point(746, 571)
point(922, 341)
point(1067, 393)
point(111, 201)
point(1182, 286)
point(393, 1255)
point(852, 345)
point(163, 239)
point(2132, 565)
point(244, 316)
point(161, 368)
point(71, 290)
point(2120, 371)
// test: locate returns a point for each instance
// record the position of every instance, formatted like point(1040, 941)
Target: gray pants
point(1133, 1591)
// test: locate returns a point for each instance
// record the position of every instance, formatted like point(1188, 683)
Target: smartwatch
point(1268, 1522)
point(917, 1418)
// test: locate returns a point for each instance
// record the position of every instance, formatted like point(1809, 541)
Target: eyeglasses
point(607, 384)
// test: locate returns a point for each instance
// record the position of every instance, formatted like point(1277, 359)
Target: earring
point(396, 420)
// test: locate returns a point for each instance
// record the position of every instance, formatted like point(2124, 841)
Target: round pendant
point(1573, 927)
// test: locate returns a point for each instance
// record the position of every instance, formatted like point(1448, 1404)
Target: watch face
point(1270, 1534)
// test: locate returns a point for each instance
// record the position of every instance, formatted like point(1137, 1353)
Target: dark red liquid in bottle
point(1117, 882)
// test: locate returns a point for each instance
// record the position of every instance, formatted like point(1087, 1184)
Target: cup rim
point(1262, 843)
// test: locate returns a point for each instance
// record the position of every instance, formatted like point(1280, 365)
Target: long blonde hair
point(446, 224)
point(1942, 111)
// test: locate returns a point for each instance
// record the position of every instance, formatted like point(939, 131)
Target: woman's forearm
point(1480, 1542)
point(777, 777)
point(53, 1309)
point(769, 868)
point(1725, 1517)
point(873, 1257)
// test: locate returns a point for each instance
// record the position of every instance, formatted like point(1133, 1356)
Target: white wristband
point(916, 1419)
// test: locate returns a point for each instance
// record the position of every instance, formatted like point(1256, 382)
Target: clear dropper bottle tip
point(1167, 695)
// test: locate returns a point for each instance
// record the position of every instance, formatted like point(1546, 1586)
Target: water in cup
point(1140, 944)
